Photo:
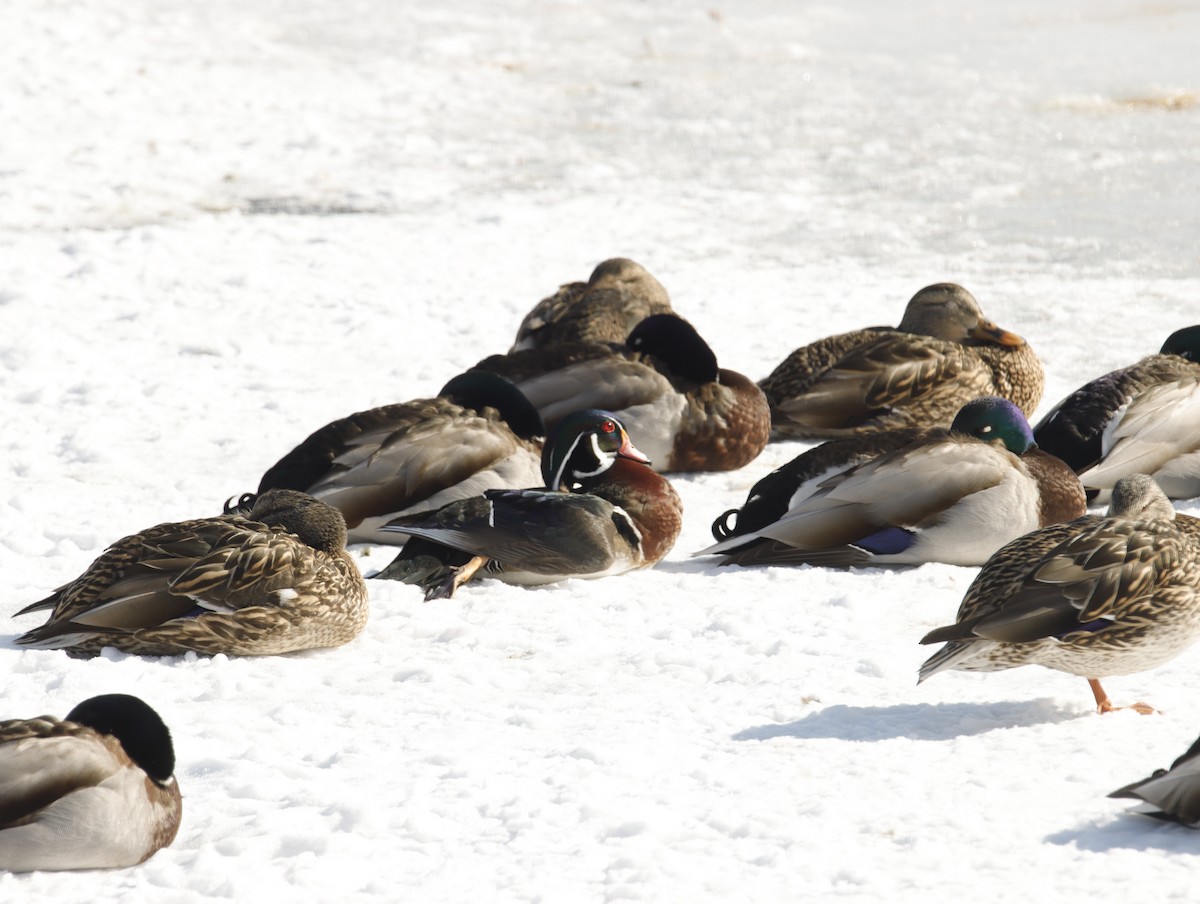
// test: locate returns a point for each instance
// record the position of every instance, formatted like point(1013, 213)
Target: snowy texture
point(225, 224)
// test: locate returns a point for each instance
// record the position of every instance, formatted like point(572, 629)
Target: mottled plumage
point(1092, 597)
point(617, 296)
point(604, 512)
point(1170, 794)
point(1144, 418)
point(96, 790)
point(663, 382)
point(275, 581)
point(951, 496)
point(943, 354)
point(480, 433)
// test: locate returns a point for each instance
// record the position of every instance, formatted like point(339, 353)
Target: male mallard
point(617, 296)
point(942, 355)
point(1093, 597)
point(663, 382)
point(479, 433)
point(1144, 418)
point(94, 791)
point(604, 511)
point(275, 581)
point(1171, 794)
point(952, 496)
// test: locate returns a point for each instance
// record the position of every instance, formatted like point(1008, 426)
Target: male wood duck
point(479, 433)
point(952, 496)
point(1144, 418)
point(1092, 597)
point(943, 354)
point(94, 791)
point(663, 382)
point(1170, 794)
point(603, 511)
point(275, 581)
point(618, 295)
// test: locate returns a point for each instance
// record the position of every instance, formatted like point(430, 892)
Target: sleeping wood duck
point(952, 496)
point(603, 511)
point(617, 297)
point(663, 382)
point(275, 581)
point(479, 433)
point(1170, 794)
point(1144, 418)
point(1092, 597)
point(94, 791)
point(943, 354)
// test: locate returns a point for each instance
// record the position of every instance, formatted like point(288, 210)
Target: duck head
point(1139, 498)
point(948, 311)
point(316, 523)
point(992, 418)
point(1185, 343)
point(479, 389)
point(675, 342)
point(139, 729)
point(583, 446)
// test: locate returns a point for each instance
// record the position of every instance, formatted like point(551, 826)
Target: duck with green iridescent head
point(953, 496)
point(603, 511)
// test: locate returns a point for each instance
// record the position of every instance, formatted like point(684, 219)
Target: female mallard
point(1171, 794)
point(1093, 597)
point(94, 791)
point(275, 581)
point(604, 511)
point(664, 383)
point(952, 496)
point(479, 433)
point(1144, 418)
point(943, 354)
point(617, 296)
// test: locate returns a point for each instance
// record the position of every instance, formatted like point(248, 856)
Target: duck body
point(618, 295)
point(276, 581)
point(479, 433)
point(951, 496)
point(611, 513)
point(1093, 597)
point(943, 354)
point(663, 383)
point(1170, 794)
point(93, 791)
point(1144, 418)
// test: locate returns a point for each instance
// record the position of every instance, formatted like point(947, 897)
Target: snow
point(225, 224)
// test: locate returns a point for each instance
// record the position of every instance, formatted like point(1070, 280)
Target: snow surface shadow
point(916, 721)
point(1130, 831)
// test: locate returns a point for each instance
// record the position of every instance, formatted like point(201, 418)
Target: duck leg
point(1104, 705)
point(454, 578)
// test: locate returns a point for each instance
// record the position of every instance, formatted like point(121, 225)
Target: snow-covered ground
point(224, 224)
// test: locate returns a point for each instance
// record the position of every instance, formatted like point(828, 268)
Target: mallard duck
point(617, 296)
point(94, 791)
point(943, 354)
point(1093, 597)
point(603, 511)
point(663, 382)
point(952, 496)
point(1144, 418)
point(479, 433)
point(1171, 794)
point(275, 581)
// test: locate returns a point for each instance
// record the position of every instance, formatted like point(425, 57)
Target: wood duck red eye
point(609, 427)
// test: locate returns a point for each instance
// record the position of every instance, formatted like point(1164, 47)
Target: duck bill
point(986, 331)
point(628, 450)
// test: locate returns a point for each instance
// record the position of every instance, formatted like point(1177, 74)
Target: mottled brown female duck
point(94, 791)
point(479, 433)
point(618, 296)
point(943, 354)
point(1093, 597)
point(603, 511)
point(275, 581)
point(687, 413)
point(1144, 418)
